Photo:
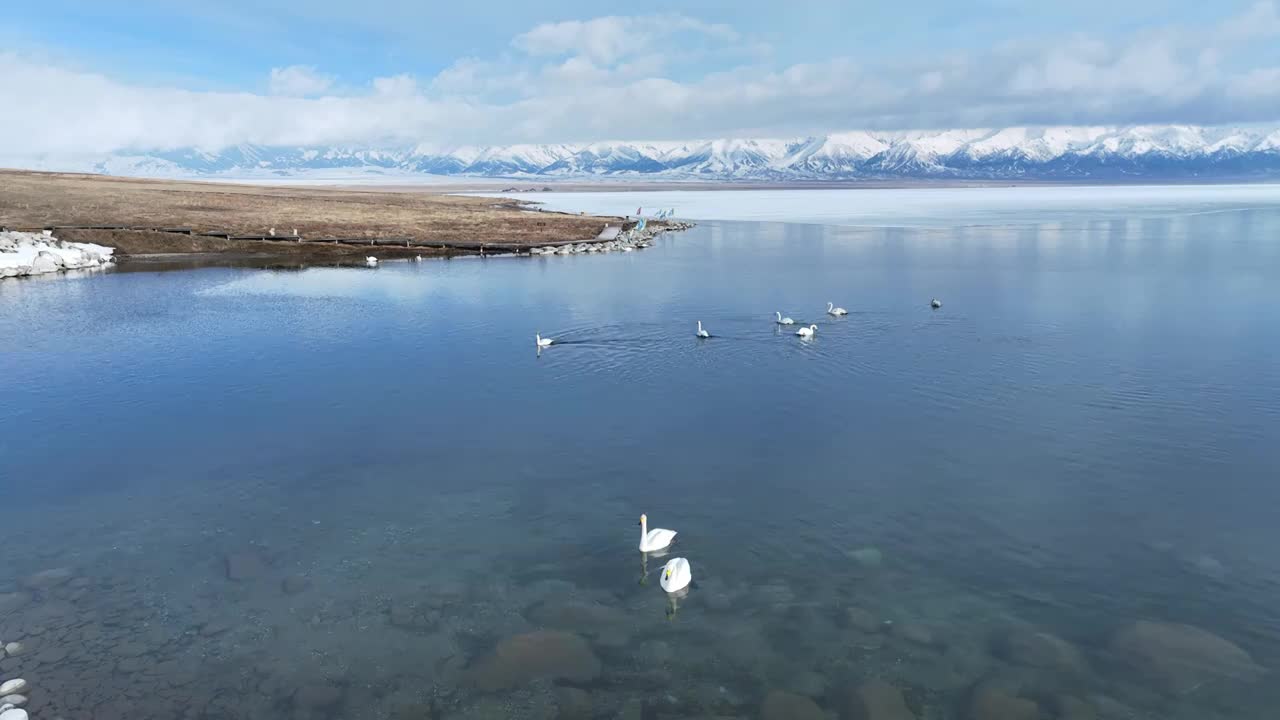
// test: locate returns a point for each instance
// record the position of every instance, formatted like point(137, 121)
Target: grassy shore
point(32, 200)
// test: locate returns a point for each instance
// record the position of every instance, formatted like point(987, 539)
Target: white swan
point(833, 310)
point(655, 539)
point(676, 576)
point(783, 321)
point(371, 261)
point(935, 303)
point(542, 342)
point(702, 333)
point(805, 332)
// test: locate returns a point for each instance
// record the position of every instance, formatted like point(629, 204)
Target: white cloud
point(298, 81)
point(605, 40)
point(578, 82)
point(396, 86)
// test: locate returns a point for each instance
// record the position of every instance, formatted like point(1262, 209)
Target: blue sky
point(392, 71)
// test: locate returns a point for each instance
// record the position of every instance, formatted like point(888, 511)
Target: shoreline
point(158, 217)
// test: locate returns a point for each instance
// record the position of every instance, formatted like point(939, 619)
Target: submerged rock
point(13, 649)
point(12, 601)
point(245, 565)
point(573, 704)
point(52, 654)
point(295, 584)
point(867, 557)
point(317, 696)
point(787, 706)
point(47, 579)
point(878, 700)
point(214, 627)
point(1073, 708)
point(1180, 658)
point(582, 617)
point(990, 701)
point(412, 615)
point(807, 683)
point(1039, 650)
point(915, 633)
point(14, 700)
point(863, 620)
point(542, 654)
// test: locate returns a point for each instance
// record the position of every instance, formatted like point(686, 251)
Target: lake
point(362, 493)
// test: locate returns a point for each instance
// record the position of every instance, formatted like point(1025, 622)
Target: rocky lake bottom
point(328, 493)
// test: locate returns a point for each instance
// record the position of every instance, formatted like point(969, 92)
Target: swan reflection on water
point(673, 602)
point(644, 562)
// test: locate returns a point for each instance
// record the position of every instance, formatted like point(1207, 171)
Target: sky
point(101, 76)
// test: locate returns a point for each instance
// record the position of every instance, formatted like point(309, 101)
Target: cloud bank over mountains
point(662, 77)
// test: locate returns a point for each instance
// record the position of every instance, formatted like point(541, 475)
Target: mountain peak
point(1024, 152)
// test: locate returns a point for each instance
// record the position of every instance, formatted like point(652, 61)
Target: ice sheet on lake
point(36, 254)
point(930, 207)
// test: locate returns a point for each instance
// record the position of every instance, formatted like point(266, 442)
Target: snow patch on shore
point(24, 254)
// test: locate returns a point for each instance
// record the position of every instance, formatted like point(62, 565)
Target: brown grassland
point(32, 200)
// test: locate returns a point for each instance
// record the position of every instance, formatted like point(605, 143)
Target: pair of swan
point(548, 342)
point(802, 332)
point(676, 574)
point(831, 310)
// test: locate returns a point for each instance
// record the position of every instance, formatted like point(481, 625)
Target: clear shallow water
point(1084, 436)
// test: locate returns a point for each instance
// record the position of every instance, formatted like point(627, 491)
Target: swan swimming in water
point(542, 342)
point(676, 576)
point(783, 321)
point(702, 333)
point(807, 332)
point(833, 310)
point(655, 539)
point(371, 261)
point(935, 303)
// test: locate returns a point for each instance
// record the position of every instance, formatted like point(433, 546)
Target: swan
point(417, 258)
point(783, 321)
point(935, 303)
point(371, 261)
point(806, 332)
point(702, 333)
point(542, 342)
point(655, 539)
point(676, 576)
point(833, 310)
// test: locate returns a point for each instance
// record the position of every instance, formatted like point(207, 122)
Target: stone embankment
point(624, 241)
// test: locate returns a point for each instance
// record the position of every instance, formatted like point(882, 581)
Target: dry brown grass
point(33, 200)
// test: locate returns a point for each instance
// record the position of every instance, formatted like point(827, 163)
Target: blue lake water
point(351, 493)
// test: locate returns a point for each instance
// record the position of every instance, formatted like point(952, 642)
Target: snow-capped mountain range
point(1027, 153)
